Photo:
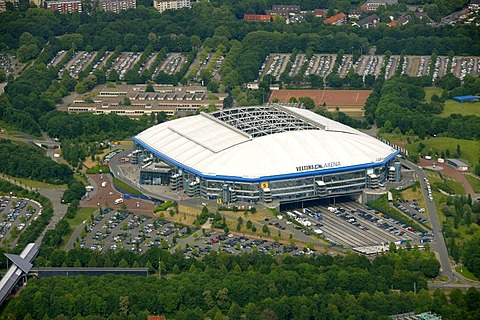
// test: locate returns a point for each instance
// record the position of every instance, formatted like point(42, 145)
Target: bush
point(98, 169)
point(76, 190)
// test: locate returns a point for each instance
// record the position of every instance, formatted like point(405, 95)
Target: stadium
point(261, 154)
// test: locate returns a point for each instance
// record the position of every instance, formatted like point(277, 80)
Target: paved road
point(59, 209)
point(439, 245)
point(35, 140)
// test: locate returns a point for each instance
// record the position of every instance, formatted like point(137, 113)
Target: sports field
point(451, 106)
point(351, 102)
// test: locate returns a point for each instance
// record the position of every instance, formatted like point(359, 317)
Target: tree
point(235, 312)
point(265, 229)
point(124, 304)
point(3, 76)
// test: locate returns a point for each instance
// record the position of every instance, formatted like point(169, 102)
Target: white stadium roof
point(259, 143)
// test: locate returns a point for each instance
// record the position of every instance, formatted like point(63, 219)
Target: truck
point(89, 188)
point(119, 200)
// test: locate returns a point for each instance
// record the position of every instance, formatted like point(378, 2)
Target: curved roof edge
point(267, 178)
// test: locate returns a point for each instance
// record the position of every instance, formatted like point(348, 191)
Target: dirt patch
point(331, 98)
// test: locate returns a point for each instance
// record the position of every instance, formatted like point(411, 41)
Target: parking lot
point(17, 213)
point(350, 224)
point(116, 229)
point(414, 66)
point(7, 63)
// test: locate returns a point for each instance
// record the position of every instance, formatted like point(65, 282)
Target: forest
point(398, 105)
point(19, 160)
point(252, 285)
point(460, 226)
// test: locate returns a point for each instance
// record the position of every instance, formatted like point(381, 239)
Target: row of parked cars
point(14, 214)
point(412, 209)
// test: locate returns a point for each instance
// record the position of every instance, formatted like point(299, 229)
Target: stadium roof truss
point(262, 121)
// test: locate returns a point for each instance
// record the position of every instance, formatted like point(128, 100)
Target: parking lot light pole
point(159, 268)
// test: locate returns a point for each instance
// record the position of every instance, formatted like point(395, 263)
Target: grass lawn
point(451, 106)
point(468, 148)
point(457, 187)
point(126, 187)
point(429, 92)
point(467, 274)
point(40, 185)
point(465, 108)
point(474, 182)
point(81, 215)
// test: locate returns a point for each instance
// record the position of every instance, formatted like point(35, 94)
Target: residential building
point(257, 17)
point(355, 13)
point(392, 24)
point(373, 5)
point(64, 6)
point(3, 4)
point(474, 5)
point(455, 17)
point(283, 10)
point(403, 19)
point(336, 20)
point(368, 22)
point(162, 5)
point(320, 13)
point(117, 5)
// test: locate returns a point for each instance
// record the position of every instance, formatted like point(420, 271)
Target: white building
point(262, 154)
point(162, 5)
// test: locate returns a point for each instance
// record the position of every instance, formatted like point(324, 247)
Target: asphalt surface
point(438, 245)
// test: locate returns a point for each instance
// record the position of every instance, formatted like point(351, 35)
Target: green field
point(474, 182)
point(39, 185)
point(450, 182)
point(81, 215)
point(451, 106)
point(469, 148)
point(119, 184)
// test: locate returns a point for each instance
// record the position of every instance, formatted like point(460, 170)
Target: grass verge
point(474, 182)
point(125, 188)
point(82, 214)
point(381, 204)
point(40, 185)
point(466, 273)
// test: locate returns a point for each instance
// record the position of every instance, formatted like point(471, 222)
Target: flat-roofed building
point(168, 99)
point(64, 6)
point(162, 5)
point(457, 164)
point(373, 5)
point(283, 10)
point(117, 5)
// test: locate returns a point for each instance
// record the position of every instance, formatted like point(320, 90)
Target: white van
point(119, 200)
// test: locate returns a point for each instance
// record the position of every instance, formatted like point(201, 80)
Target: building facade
point(261, 154)
point(134, 101)
point(117, 5)
point(64, 6)
point(373, 5)
point(162, 5)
